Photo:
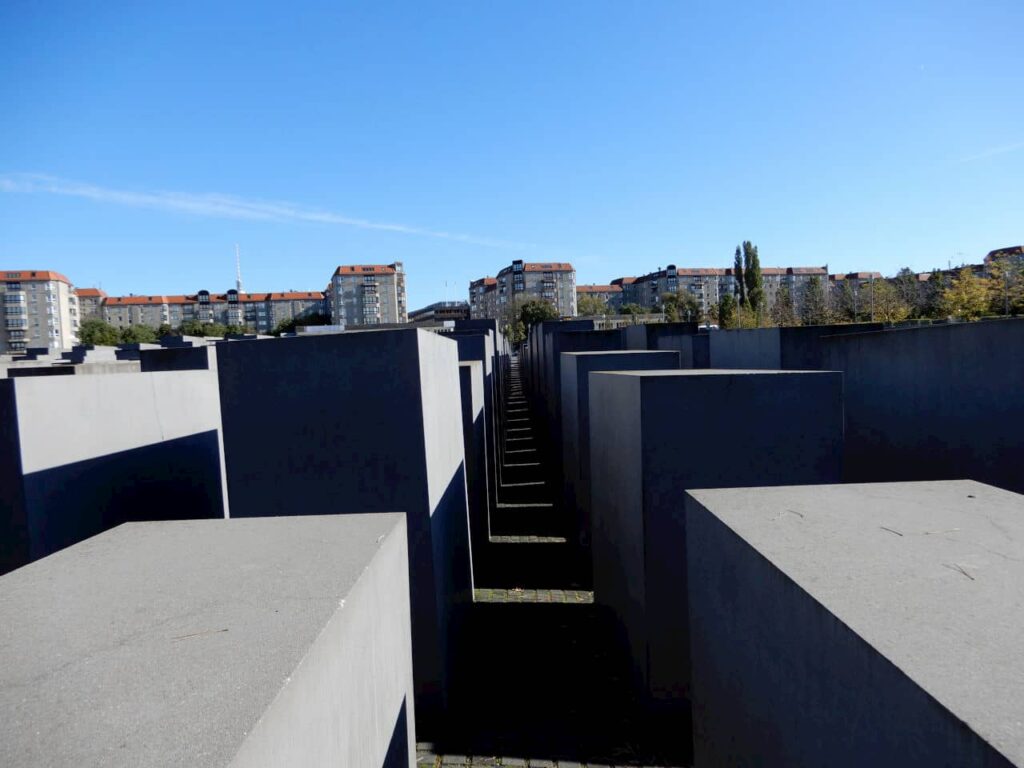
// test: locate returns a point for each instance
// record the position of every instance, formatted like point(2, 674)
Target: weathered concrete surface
point(857, 625)
point(474, 437)
point(79, 369)
point(82, 454)
point(575, 372)
point(655, 434)
point(790, 349)
point(935, 403)
point(480, 345)
point(359, 422)
point(211, 643)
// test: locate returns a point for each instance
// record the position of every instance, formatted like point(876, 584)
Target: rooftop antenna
point(238, 269)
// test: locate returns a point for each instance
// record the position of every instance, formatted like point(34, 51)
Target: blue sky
point(140, 141)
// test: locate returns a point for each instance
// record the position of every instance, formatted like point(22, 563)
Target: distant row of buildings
point(42, 308)
point(556, 284)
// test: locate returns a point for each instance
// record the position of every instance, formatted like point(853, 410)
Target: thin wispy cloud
point(993, 151)
point(222, 206)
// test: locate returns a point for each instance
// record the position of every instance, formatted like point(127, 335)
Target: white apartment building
point(552, 282)
point(709, 284)
point(257, 312)
point(40, 310)
point(368, 294)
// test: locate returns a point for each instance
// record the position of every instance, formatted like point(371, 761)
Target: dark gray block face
point(936, 403)
point(212, 643)
point(352, 423)
point(656, 434)
point(82, 454)
point(857, 625)
point(575, 396)
point(180, 358)
point(790, 349)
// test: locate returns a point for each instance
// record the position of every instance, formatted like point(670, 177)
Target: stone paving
point(514, 595)
point(427, 758)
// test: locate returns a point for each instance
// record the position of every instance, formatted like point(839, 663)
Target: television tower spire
point(238, 269)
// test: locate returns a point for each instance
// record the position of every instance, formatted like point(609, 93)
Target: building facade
point(483, 298)
point(611, 295)
point(552, 282)
point(90, 303)
point(709, 284)
point(40, 311)
point(256, 312)
point(440, 311)
point(370, 294)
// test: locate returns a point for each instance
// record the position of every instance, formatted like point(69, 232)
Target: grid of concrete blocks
point(259, 552)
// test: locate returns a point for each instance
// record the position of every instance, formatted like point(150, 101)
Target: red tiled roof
point(365, 269)
point(545, 267)
point(624, 281)
point(19, 275)
point(131, 300)
point(90, 293)
point(598, 289)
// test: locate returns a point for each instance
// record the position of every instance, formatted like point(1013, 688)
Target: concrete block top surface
point(929, 574)
point(705, 372)
point(163, 643)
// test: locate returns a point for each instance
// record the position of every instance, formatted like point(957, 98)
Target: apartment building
point(629, 289)
point(858, 282)
point(40, 310)
point(440, 311)
point(368, 294)
point(709, 284)
point(90, 303)
point(609, 294)
point(257, 312)
point(483, 298)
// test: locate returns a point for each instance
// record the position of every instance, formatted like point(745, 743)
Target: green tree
point(682, 305)
point(235, 330)
point(887, 305)
point(814, 309)
point(967, 297)
point(908, 288)
point(165, 330)
point(752, 277)
point(536, 311)
point(98, 333)
point(727, 311)
point(191, 328)
point(1006, 285)
point(138, 334)
point(738, 278)
point(589, 306)
point(783, 312)
point(931, 295)
point(631, 309)
point(216, 330)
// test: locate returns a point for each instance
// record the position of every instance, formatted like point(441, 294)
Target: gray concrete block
point(212, 643)
point(79, 369)
point(474, 436)
point(935, 403)
point(359, 422)
point(656, 434)
point(81, 454)
point(791, 349)
point(575, 395)
point(857, 625)
point(180, 358)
